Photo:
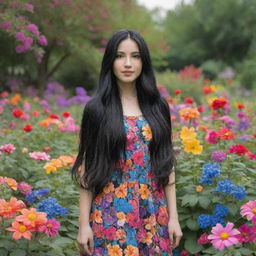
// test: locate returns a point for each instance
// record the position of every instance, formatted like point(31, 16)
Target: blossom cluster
point(210, 171)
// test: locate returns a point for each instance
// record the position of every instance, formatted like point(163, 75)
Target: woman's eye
point(118, 56)
point(136, 56)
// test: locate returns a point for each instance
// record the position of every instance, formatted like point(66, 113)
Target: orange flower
point(45, 123)
point(199, 188)
point(15, 99)
point(162, 215)
point(225, 134)
point(150, 223)
point(66, 160)
point(121, 235)
point(121, 191)
point(21, 230)
point(32, 217)
point(146, 131)
point(114, 250)
point(97, 216)
point(189, 113)
point(12, 183)
point(128, 162)
point(120, 215)
point(9, 209)
point(148, 238)
point(144, 191)
point(131, 251)
point(109, 188)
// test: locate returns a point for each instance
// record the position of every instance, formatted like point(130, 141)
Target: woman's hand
point(85, 240)
point(174, 232)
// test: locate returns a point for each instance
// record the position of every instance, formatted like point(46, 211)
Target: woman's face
point(127, 65)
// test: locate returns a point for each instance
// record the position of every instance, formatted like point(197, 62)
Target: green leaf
point(18, 252)
point(204, 202)
point(192, 224)
point(192, 246)
point(3, 252)
point(211, 250)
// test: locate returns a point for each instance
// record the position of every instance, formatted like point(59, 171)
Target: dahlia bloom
point(218, 156)
point(50, 228)
point(32, 217)
point(21, 230)
point(223, 237)
point(8, 209)
point(238, 149)
point(25, 188)
point(7, 148)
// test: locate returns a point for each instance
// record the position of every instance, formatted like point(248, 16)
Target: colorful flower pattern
point(130, 216)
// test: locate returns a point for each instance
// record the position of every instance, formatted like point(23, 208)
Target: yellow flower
point(49, 168)
point(199, 188)
point(187, 133)
point(193, 146)
point(24, 150)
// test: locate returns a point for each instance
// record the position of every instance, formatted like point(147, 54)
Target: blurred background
point(63, 41)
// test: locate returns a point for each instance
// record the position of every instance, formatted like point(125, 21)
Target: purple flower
point(243, 124)
point(110, 216)
point(5, 25)
point(240, 114)
point(245, 137)
point(218, 156)
point(80, 91)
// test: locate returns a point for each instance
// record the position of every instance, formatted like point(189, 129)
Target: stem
point(28, 249)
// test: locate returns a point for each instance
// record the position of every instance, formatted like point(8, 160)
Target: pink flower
point(203, 239)
point(165, 244)
point(50, 228)
point(223, 237)
point(211, 137)
point(43, 41)
point(7, 148)
point(249, 210)
point(138, 158)
point(110, 233)
point(5, 25)
point(39, 156)
point(20, 36)
point(246, 234)
point(33, 28)
point(29, 7)
point(25, 188)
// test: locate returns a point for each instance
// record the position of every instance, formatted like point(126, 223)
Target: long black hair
point(102, 133)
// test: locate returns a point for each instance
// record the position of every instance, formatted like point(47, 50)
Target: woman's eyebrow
point(131, 52)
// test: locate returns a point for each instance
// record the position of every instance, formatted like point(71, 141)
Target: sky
point(165, 4)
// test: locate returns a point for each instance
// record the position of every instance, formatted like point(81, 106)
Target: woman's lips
point(128, 73)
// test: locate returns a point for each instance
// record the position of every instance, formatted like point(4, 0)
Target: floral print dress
point(130, 216)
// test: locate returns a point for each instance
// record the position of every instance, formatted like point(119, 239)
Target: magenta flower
point(39, 156)
point(43, 41)
point(7, 148)
point(203, 239)
point(50, 228)
point(25, 188)
point(246, 234)
point(29, 7)
point(20, 36)
point(223, 237)
point(33, 28)
point(249, 210)
point(5, 25)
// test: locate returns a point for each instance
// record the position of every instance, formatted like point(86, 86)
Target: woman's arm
point(85, 234)
point(173, 224)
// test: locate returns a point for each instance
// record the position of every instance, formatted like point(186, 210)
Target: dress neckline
point(132, 116)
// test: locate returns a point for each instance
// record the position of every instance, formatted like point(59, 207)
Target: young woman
point(125, 163)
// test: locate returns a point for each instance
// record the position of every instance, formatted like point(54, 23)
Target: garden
point(213, 118)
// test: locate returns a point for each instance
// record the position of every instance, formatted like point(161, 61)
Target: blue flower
point(51, 207)
point(31, 198)
point(131, 237)
point(42, 192)
point(122, 205)
point(220, 210)
point(215, 220)
point(239, 192)
point(228, 187)
point(210, 171)
point(204, 220)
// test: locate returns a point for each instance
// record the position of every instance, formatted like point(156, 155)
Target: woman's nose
point(127, 62)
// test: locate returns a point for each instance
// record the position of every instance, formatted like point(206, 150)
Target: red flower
point(238, 149)
point(219, 103)
point(66, 114)
point(225, 134)
point(184, 253)
point(251, 156)
point(207, 89)
point(177, 92)
point(200, 109)
point(35, 113)
point(17, 113)
point(53, 116)
point(240, 106)
point(47, 149)
point(189, 100)
point(28, 128)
